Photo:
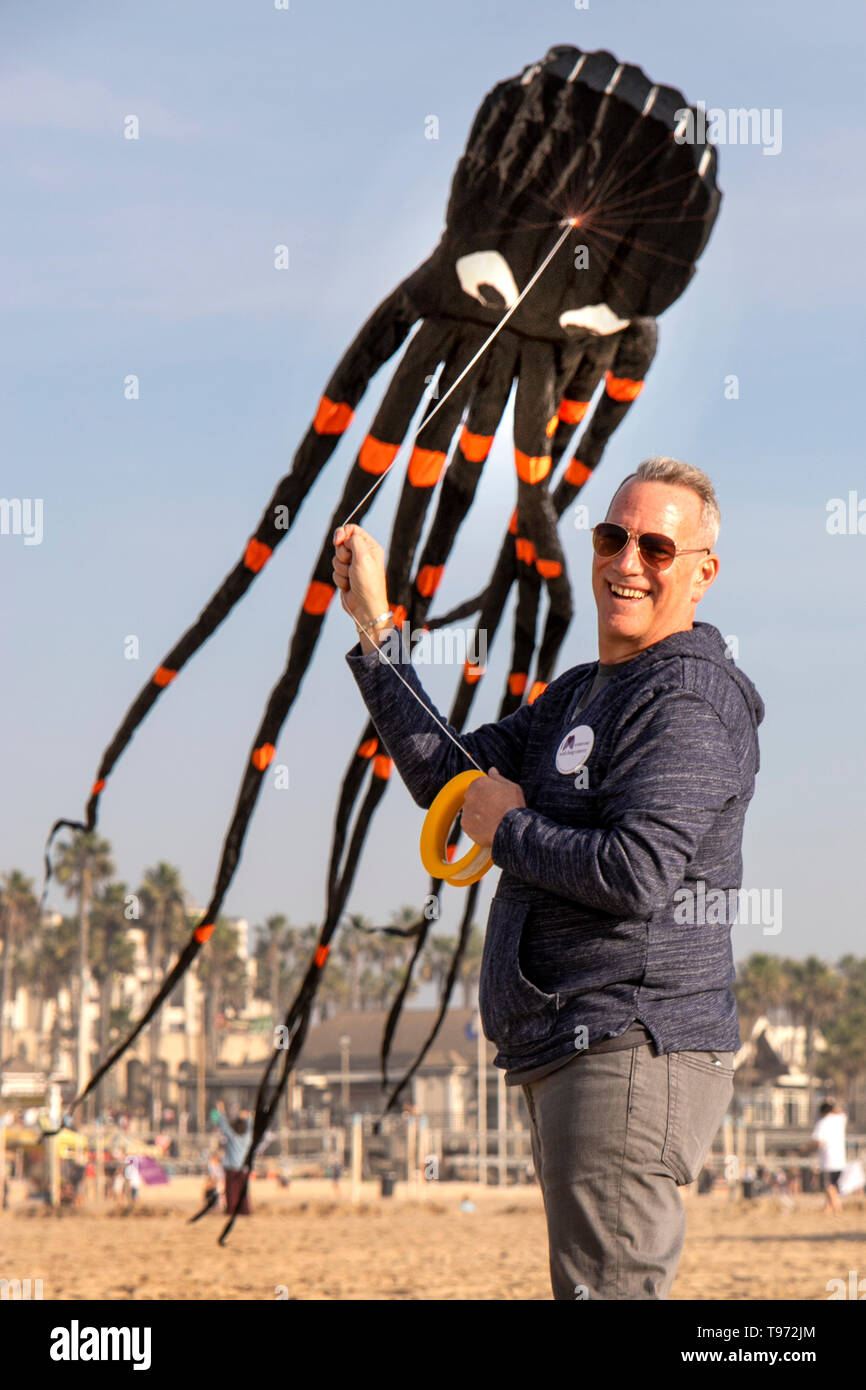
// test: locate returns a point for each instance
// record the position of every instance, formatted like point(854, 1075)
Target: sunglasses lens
point(658, 551)
point(608, 539)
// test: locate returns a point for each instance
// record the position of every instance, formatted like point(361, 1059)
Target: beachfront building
point(202, 1059)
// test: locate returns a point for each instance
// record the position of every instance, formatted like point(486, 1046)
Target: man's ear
point(709, 569)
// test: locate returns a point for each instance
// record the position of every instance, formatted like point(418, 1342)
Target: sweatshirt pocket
point(514, 1012)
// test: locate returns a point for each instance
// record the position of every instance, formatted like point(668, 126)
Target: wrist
point(371, 632)
point(380, 619)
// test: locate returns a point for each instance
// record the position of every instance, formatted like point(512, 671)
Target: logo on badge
point(574, 750)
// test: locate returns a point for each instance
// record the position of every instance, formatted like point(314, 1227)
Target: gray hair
point(666, 470)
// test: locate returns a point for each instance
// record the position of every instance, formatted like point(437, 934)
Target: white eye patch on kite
point(598, 318)
point(487, 277)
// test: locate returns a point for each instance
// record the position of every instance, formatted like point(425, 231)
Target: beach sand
point(313, 1243)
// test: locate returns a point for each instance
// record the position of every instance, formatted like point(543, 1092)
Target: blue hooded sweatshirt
point(587, 931)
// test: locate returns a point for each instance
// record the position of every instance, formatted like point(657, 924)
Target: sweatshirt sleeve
point(671, 772)
point(224, 1126)
point(423, 755)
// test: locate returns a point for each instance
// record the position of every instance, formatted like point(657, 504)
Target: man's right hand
point(359, 574)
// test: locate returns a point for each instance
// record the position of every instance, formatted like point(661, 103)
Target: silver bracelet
point(368, 627)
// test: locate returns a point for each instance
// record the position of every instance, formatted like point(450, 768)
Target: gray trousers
point(613, 1136)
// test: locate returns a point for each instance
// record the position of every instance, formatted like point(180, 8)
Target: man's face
point(668, 598)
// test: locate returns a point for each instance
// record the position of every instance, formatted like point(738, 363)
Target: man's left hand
point(487, 800)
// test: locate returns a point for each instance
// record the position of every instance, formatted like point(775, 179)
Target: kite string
point(414, 694)
point(569, 227)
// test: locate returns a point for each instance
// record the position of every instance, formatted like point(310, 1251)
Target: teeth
point(628, 593)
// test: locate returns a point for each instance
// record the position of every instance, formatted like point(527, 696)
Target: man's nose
point(630, 554)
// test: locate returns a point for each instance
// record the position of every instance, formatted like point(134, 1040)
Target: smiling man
point(622, 788)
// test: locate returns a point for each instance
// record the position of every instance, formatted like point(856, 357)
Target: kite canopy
point(576, 135)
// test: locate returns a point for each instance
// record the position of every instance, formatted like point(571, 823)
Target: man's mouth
point(621, 591)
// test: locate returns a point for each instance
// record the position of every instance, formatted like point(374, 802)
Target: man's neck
point(614, 654)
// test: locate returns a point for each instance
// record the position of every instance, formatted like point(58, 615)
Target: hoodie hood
point(701, 643)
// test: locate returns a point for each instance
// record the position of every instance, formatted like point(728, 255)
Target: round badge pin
point(575, 748)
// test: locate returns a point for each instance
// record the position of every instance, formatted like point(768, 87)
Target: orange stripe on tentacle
point(577, 473)
point(572, 412)
point(550, 427)
point(517, 682)
point(382, 766)
point(425, 466)
point(524, 550)
point(537, 689)
point(263, 755)
point(162, 676)
point(429, 579)
point(531, 469)
point(368, 748)
point(548, 569)
point(205, 932)
point(475, 447)
point(321, 956)
point(317, 597)
point(472, 673)
point(400, 614)
point(512, 525)
point(332, 417)
point(256, 555)
point(375, 456)
point(97, 787)
point(622, 388)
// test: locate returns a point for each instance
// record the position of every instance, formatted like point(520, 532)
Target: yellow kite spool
point(435, 831)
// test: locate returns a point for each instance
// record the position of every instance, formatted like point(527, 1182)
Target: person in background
point(828, 1137)
point(213, 1178)
point(237, 1136)
point(118, 1185)
point(133, 1179)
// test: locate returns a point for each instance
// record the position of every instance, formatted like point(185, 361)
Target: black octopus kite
point(578, 141)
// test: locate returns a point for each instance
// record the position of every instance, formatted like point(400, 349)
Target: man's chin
point(623, 624)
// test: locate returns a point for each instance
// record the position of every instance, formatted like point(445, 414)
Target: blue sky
point(155, 257)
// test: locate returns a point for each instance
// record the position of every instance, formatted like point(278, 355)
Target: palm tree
point(275, 941)
point(351, 949)
point(437, 960)
point(19, 915)
point(162, 899)
point(470, 966)
point(387, 957)
point(84, 865)
point(761, 985)
point(221, 972)
point(112, 954)
point(816, 994)
point(845, 1034)
point(51, 969)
